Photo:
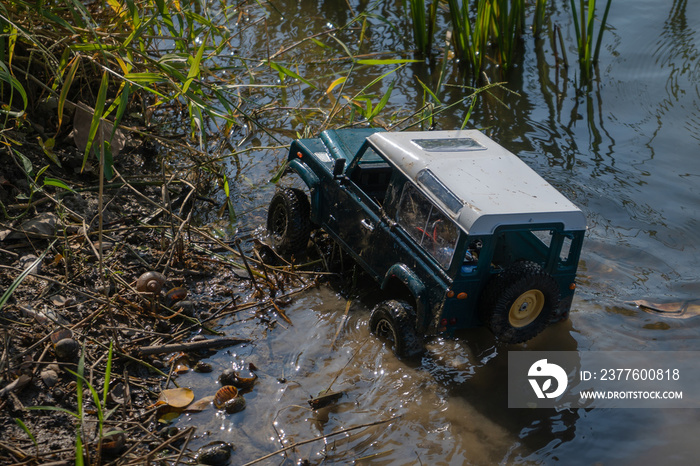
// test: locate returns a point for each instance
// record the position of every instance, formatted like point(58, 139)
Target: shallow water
point(624, 149)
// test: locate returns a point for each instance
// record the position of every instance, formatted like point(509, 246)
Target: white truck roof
point(486, 185)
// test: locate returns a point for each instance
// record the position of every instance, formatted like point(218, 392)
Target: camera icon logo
point(542, 373)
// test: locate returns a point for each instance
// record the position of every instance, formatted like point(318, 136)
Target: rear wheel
point(288, 221)
point(393, 321)
point(520, 302)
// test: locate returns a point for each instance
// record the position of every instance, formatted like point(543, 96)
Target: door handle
point(364, 223)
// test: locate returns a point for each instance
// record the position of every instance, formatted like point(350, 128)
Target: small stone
point(215, 454)
point(49, 377)
point(28, 261)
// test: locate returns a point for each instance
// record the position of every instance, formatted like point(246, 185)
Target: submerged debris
point(325, 398)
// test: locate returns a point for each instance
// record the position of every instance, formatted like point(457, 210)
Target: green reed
point(423, 25)
point(470, 38)
point(539, 17)
point(584, 24)
point(507, 24)
point(489, 36)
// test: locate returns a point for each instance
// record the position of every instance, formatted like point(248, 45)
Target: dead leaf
point(82, 120)
point(176, 397)
point(200, 405)
point(17, 385)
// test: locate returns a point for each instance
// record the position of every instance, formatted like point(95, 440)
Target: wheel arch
point(403, 283)
point(312, 181)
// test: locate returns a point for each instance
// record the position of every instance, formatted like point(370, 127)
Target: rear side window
point(434, 231)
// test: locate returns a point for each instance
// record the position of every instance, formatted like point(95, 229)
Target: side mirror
point(338, 168)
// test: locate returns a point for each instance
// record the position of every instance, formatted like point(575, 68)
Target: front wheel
point(519, 303)
point(394, 322)
point(288, 222)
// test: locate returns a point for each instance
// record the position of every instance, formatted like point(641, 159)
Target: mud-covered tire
point(519, 303)
point(394, 322)
point(288, 221)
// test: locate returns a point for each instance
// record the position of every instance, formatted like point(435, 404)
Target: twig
point(245, 262)
point(321, 437)
point(342, 323)
point(192, 346)
point(280, 312)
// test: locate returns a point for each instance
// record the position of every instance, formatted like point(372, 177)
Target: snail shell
point(150, 282)
point(231, 377)
point(66, 349)
point(235, 405)
point(175, 295)
point(113, 442)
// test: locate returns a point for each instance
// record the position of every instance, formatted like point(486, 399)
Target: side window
point(425, 223)
point(471, 258)
point(564, 254)
point(372, 175)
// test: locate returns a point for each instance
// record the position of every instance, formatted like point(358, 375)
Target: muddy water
point(624, 148)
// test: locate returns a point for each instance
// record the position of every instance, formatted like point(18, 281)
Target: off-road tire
point(394, 322)
point(522, 289)
point(288, 221)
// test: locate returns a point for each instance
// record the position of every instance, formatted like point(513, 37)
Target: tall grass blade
point(7, 77)
point(79, 461)
point(194, 65)
point(286, 71)
point(64, 90)
point(20, 278)
point(428, 91)
point(383, 101)
point(603, 25)
point(590, 23)
point(538, 21)
point(386, 61)
point(108, 374)
point(96, 117)
point(28, 432)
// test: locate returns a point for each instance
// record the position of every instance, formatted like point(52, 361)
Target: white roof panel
point(493, 185)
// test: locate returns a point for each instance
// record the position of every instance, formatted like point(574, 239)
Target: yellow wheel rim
point(526, 308)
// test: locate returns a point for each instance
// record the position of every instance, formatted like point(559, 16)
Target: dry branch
point(192, 346)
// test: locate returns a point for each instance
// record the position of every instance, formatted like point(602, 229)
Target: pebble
point(50, 377)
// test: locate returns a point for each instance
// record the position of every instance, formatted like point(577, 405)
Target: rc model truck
point(457, 231)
